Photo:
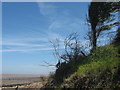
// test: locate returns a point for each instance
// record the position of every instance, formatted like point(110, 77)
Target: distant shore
point(22, 80)
point(25, 85)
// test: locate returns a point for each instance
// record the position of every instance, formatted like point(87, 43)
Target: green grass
point(100, 69)
point(103, 58)
point(101, 65)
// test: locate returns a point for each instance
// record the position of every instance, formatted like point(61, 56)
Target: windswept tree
point(101, 17)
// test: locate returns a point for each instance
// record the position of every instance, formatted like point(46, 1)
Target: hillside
point(101, 69)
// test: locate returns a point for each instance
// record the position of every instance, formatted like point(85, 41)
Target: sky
point(28, 28)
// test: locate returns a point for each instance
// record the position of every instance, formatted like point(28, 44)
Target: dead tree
point(71, 50)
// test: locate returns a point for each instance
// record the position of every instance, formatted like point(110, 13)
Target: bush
point(66, 69)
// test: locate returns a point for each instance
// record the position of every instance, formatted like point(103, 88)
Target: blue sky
point(28, 28)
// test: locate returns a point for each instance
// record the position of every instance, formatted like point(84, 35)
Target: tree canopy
point(100, 17)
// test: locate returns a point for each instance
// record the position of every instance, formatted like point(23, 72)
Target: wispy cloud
point(59, 22)
point(47, 9)
point(21, 44)
point(25, 50)
point(55, 25)
point(30, 44)
point(8, 50)
point(67, 24)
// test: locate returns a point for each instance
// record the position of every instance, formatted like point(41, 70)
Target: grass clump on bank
point(103, 58)
point(101, 70)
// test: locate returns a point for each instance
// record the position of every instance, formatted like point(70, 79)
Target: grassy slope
point(102, 69)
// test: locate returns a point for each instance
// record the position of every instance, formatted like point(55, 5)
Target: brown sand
point(16, 81)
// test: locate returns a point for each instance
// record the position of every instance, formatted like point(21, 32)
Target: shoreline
point(22, 81)
point(25, 85)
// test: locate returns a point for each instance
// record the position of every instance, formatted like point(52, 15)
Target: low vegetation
point(101, 70)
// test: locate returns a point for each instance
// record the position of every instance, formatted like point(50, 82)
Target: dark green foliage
point(66, 69)
point(117, 39)
point(63, 72)
point(100, 14)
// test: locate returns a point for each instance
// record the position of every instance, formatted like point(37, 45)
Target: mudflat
point(11, 80)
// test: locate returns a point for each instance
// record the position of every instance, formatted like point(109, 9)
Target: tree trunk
point(94, 42)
